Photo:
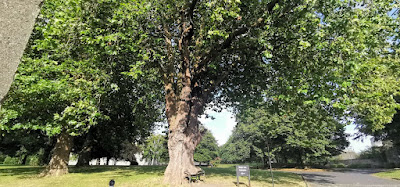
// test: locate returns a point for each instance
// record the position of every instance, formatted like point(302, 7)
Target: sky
point(221, 127)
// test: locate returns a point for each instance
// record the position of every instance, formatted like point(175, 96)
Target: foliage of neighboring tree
point(376, 82)
point(389, 136)
point(65, 73)
point(307, 134)
point(155, 149)
point(207, 150)
point(133, 107)
point(25, 143)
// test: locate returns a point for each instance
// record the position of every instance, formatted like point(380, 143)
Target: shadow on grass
point(256, 175)
point(20, 171)
point(120, 170)
point(240, 184)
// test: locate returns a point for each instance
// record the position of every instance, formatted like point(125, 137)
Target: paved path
point(350, 178)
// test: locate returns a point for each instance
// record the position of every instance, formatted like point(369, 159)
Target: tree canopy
point(336, 56)
point(307, 135)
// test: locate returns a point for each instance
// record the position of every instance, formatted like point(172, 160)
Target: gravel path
point(350, 178)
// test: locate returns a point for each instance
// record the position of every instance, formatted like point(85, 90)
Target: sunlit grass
point(142, 176)
point(392, 174)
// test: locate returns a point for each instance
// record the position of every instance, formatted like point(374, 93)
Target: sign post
point(242, 171)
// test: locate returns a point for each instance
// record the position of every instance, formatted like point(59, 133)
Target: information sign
point(242, 171)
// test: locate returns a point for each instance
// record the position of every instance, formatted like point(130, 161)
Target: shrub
point(341, 165)
point(215, 162)
point(2, 157)
point(375, 153)
point(338, 165)
point(360, 166)
point(11, 161)
point(389, 165)
point(33, 160)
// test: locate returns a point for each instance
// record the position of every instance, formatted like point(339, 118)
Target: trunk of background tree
point(264, 159)
point(85, 153)
point(59, 160)
point(84, 156)
point(300, 160)
point(24, 159)
point(45, 159)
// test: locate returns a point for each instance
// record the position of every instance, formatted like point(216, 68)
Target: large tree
point(61, 84)
point(224, 52)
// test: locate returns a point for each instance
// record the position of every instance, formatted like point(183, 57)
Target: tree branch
point(192, 7)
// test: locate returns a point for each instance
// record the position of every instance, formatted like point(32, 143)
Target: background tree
point(389, 137)
point(59, 85)
point(25, 143)
point(133, 106)
point(155, 149)
point(207, 149)
point(305, 135)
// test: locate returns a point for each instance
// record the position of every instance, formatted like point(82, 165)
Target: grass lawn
point(391, 174)
point(142, 176)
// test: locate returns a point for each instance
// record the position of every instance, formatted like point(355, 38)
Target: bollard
point(111, 183)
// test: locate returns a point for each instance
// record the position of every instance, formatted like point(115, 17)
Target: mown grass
point(391, 174)
point(142, 176)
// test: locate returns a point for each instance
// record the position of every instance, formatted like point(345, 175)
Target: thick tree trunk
point(300, 160)
point(183, 137)
point(59, 160)
point(85, 153)
point(181, 149)
point(184, 103)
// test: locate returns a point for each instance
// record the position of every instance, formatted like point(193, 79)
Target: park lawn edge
point(393, 174)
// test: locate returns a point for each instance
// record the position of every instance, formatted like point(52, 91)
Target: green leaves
point(308, 131)
point(207, 149)
point(155, 149)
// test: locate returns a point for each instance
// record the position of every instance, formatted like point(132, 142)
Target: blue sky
point(224, 122)
point(221, 127)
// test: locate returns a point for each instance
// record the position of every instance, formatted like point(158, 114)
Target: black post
point(270, 165)
point(111, 183)
point(249, 177)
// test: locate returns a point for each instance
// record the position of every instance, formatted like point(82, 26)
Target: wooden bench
point(194, 177)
